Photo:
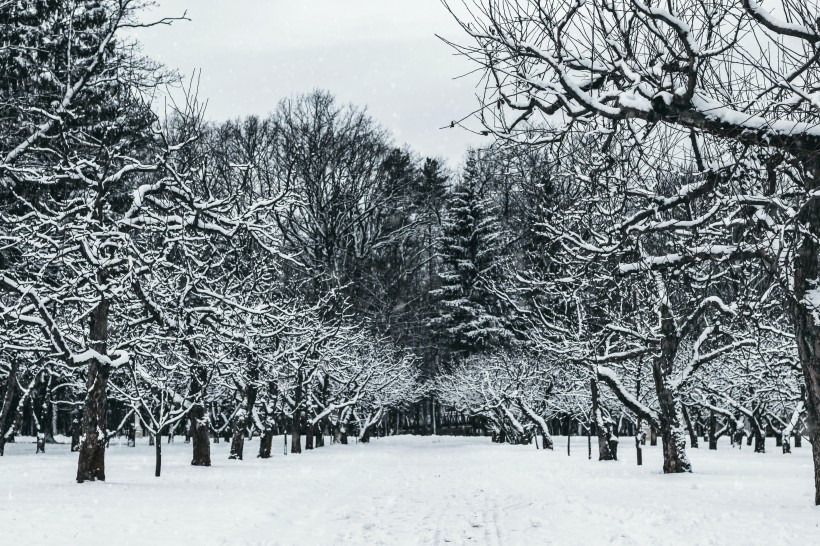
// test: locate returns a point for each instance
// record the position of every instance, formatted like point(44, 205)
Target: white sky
point(382, 54)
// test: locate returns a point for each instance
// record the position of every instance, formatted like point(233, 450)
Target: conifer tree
point(468, 317)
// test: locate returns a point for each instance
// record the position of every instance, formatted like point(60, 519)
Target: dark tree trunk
point(320, 435)
point(311, 431)
point(200, 428)
point(244, 418)
point(91, 465)
point(547, 441)
point(712, 430)
point(672, 436)
point(365, 437)
point(158, 454)
point(296, 433)
point(265, 443)
point(201, 436)
point(638, 448)
point(607, 441)
point(759, 435)
point(7, 415)
point(806, 273)
point(693, 437)
point(237, 443)
point(569, 434)
point(75, 430)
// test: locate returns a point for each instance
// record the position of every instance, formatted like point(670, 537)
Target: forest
point(633, 259)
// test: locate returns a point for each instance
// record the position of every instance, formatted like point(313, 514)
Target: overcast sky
point(382, 54)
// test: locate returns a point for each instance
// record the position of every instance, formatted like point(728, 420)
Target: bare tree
point(733, 78)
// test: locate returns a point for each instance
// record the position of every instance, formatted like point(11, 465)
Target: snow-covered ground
point(409, 490)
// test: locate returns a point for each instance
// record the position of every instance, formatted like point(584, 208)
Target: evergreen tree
point(468, 317)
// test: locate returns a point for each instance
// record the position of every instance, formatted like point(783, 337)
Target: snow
point(812, 300)
point(410, 490)
point(778, 25)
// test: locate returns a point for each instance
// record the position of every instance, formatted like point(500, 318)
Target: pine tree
point(469, 318)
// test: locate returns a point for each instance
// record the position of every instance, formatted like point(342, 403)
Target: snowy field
point(409, 490)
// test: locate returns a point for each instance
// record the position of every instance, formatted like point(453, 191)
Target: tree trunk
point(807, 333)
point(607, 441)
point(265, 443)
point(238, 439)
point(158, 454)
point(693, 437)
point(75, 430)
point(760, 443)
point(320, 434)
point(6, 414)
point(200, 428)
point(132, 436)
point(806, 272)
point(244, 418)
point(311, 431)
point(539, 421)
point(638, 438)
point(296, 433)
point(91, 464)
point(201, 436)
point(712, 430)
point(373, 420)
point(672, 437)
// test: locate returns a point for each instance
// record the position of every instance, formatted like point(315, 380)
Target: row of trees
point(681, 247)
point(167, 267)
point(640, 245)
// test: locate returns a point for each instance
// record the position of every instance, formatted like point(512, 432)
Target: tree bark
point(296, 433)
point(91, 464)
point(607, 441)
point(807, 329)
point(265, 443)
point(759, 435)
point(200, 430)
point(712, 430)
point(238, 438)
point(244, 418)
point(158, 454)
point(320, 434)
point(6, 414)
point(672, 435)
point(673, 439)
point(76, 417)
point(693, 437)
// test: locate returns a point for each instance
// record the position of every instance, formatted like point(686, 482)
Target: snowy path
point(409, 490)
